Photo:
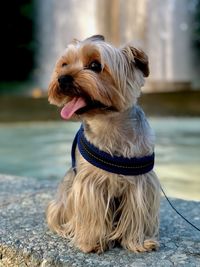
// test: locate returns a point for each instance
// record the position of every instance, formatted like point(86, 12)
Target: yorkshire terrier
point(97, 206)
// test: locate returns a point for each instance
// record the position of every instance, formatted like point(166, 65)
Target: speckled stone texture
point(26, 241)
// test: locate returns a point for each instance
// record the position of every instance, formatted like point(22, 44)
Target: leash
point(172, 206)
point(116, 164)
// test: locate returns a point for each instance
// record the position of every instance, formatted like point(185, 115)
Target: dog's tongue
point(71, 107)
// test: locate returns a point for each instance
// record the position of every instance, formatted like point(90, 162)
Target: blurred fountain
point(170, 44)
point(122, 21)
point(162, 28)
point(58, 23)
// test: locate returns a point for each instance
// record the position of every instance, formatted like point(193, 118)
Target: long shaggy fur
point(94, 208)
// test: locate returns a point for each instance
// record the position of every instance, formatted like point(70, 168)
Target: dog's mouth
point(72, 107)
point(79, 105)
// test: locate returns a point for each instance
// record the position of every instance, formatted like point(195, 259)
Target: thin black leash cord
point(198, 229)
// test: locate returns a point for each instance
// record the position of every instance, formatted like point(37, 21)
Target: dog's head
point(94, 77)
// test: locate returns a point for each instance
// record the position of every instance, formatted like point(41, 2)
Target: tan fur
point(94, 208)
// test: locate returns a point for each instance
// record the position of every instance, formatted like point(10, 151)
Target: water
point(42, 150)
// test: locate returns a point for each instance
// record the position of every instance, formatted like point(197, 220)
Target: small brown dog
point(94, 207)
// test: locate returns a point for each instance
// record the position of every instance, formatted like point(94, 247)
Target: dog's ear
point(138, 58)
point(75, 41)
point(93, 38)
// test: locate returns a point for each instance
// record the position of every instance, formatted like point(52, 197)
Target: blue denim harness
point(114, 164)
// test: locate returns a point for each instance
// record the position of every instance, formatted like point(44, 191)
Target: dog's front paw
point(95, 248)
point(148, 245)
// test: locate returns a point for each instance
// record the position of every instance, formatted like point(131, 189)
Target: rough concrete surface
point(26, 241)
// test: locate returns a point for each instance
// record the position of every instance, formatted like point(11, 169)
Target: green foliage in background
point(17, 40)
point(197, 27)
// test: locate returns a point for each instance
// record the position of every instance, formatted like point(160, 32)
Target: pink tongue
point(71, 107)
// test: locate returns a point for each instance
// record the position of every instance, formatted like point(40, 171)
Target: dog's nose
point(65, 80)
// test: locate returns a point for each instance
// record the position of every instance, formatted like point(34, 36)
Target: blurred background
point(35, 142)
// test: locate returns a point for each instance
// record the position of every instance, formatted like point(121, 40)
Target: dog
point(98, 207)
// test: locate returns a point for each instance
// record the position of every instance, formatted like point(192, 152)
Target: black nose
point(65, 81)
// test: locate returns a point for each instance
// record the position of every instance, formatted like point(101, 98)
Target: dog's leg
point(58, 211)
point(138, 222)
point(91, 222)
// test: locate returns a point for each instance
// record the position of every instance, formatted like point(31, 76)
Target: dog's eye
point(95, 66)
point(64, 64)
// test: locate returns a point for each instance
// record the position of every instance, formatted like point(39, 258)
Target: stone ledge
point(26, 241)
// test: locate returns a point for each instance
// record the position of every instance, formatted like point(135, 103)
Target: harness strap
point(114, 164)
